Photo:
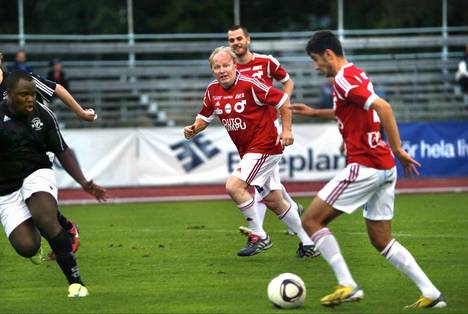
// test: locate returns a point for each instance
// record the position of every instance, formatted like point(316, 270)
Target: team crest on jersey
point(37, 124)
point(227, 108)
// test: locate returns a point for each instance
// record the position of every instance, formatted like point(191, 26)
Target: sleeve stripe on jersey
point(49, 91)
point(204, 100)
point(286, 78)
point(344, 84)
point(281, 102)
point(62, 146)
point(256, 82)
point(206, 119)
point(257, 101)
point(338, 94)
point(369, 101)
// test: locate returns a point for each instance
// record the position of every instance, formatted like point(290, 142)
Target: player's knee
point(27, 247)
point(233, 187)
point(48, 226)
point(378, 243)
point(311, 225)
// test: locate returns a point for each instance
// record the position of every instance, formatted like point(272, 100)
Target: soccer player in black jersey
point(45, 91)
point(28, 194)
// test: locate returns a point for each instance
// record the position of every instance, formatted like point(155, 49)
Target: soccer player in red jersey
point(241, 103)
point(368, 179)
point(265, 68)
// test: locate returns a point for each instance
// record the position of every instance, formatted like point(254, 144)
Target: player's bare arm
point(67, 98)
point(288, 87)
point(195, 128)
point(305, 110)
point(286, 136)
point(385, 113)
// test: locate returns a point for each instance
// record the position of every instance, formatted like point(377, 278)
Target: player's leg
point(273, 197)
point(19, 228)
point(238, 191)
point(315, 221)
point(381, 238)
point(258, 239)
point(260, 206)
point(25, 239)
point(294, 205)
point(72, 229)
point(378, 214)
point(346, 192)
point(43, 208)
point(40, 194)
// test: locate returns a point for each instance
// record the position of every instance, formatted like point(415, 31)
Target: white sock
point(286, 196)
point(248, 210)
point(326, 243)
point(260, 207)
point(402, 259)
point(291, 219)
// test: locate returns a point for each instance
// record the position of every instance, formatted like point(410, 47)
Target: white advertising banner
point(161, 156)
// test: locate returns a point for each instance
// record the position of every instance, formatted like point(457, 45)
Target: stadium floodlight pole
point(444, 30)
point(22, 41)
point(340, 20)
point(131, 36)
point(236, 12)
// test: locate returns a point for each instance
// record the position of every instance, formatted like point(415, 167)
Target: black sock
point(63, 221)
point(62, 247)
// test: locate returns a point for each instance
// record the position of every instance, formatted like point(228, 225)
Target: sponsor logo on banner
point(193, 153)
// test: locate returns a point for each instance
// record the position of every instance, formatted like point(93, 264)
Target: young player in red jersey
point(368, 179)
point(241, 104)
point(266, 68)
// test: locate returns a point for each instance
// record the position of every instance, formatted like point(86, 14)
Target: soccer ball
point(286, 291)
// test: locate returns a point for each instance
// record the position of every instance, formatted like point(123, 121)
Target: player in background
point(266, 69)
point(241, 103)
point(28, 194)
point(368, 179)
point(45, 91)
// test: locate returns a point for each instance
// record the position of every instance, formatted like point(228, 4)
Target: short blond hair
point(225, 49)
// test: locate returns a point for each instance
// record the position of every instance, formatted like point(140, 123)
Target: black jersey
point(45, 89)
point(24, 142)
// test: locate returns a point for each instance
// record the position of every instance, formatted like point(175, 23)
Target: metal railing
point(165, 84)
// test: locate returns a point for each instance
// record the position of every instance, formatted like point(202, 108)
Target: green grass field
point(181, 258)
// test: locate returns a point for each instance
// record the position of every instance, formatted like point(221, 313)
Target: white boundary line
point(188, 198)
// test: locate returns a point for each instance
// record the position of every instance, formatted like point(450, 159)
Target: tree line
point(215, 16)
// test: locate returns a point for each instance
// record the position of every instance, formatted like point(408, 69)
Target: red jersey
point(359, 125)
point(243, 111)
point(266, 68)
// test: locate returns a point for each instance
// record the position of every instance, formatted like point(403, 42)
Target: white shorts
point(358, 185)
point(13, 209)
point(259, 170)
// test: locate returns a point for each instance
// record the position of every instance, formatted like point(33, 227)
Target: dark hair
point(243, 28)
point(14, 77)
point(54, 62)
point(323, 40)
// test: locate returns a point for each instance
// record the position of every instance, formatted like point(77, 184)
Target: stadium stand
point(165, 85)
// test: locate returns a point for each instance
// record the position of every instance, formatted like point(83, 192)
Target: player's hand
point(95, 190)
point(88, 115)
point(303, 110)
point(189, 131)
point(408, 163)
point(286, 138)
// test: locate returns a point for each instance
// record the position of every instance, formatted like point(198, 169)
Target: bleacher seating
point(418, 80)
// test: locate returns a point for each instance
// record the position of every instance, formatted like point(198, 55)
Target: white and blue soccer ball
point(287, 291)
